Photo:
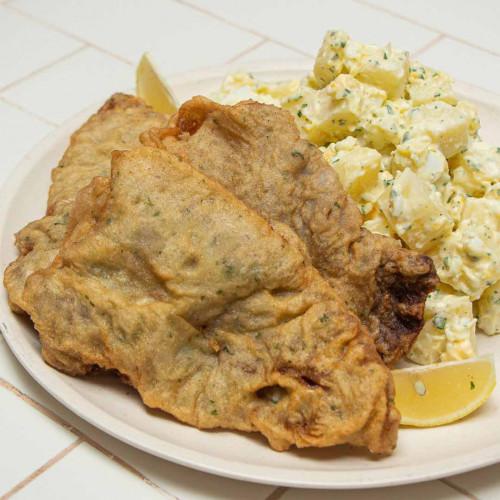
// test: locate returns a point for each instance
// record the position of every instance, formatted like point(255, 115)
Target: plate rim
point(53, 381)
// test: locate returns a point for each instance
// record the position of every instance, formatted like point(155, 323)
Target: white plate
point(422, 454)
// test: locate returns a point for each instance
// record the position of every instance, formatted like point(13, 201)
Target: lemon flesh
point(152, 88)
point(438, 394)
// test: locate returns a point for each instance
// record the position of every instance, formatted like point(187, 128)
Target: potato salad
point(408, 151)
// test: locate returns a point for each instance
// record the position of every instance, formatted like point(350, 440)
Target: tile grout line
point(247, 50)
point(27, 111)
point(47, 465)
point(428, 45)
point(367, 3)
point(56, 418)
point(43, 68)
point(277, 493)
point(209, 13)
point(61, 31)
point(461, 490)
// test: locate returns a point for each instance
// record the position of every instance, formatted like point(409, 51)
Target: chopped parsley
point(439, 322)
point(324, 318)
point(297, 154)
point(472, 385)
point(228, 270)
point(446, 263)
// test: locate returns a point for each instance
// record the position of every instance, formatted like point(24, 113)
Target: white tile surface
point(186, 483)
point(86, 473)
point(271, 51)
point(69, 86)
point(484, 483)
point(435, 490)
point(28, 440)
point(465, 63)
point(19, 133)
point(129, 28)
point(473, 21)
point(302, 24)
point(27, 46)
point(180, 481)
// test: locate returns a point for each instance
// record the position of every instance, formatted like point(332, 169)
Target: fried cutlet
point(256, 152)
point(214, 315)
point(116, 126)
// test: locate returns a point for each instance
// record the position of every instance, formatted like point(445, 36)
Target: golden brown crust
point(116, 126)
point(256, 152)
point(214, 315)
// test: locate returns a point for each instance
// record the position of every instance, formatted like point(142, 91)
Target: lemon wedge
point(442, 393)
point(152, 87)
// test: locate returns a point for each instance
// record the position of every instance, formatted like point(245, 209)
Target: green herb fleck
point(228, 270)
point(385, 55)
point(214, 412)
point(472, 385)
point(299, 113)
point(297, 154)
point(406, 136)
point(342, 44)
point(324, 318)
point(388, 182)
point(156, 214)
point(439, 322)
point(389, 109)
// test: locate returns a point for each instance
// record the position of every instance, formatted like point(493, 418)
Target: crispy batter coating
point(255, 151)
point(116, 126)
point(213, 314)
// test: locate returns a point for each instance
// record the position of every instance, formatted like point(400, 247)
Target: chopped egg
point(427, 85)
point(476, 168)
point(445, 125)
point(468, 258)
point(488, 309)
point(358, 168)
point(424, 158)
point(449, 330)
point(383, 67)
point(415, 211)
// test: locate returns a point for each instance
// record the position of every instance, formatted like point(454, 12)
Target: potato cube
point(415, 211)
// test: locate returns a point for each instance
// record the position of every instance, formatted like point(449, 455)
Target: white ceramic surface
point(422, 454)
